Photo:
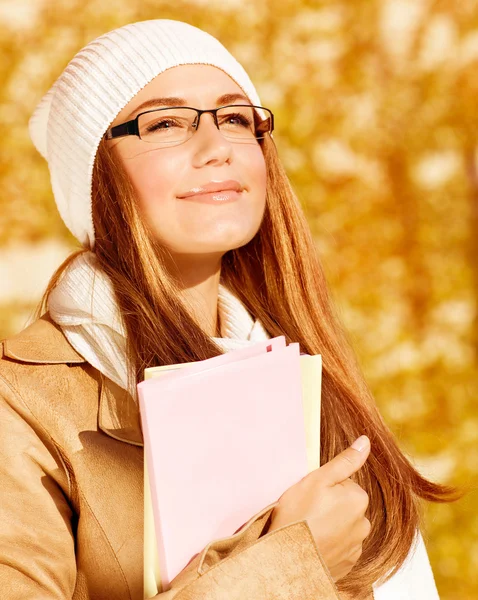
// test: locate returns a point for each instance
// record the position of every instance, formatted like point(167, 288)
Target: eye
point(162, 124)
point(236, 120)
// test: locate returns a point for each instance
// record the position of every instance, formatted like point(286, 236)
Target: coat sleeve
point(283, 564)
point(37, 550)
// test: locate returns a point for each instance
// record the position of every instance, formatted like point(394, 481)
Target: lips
point(213, 187)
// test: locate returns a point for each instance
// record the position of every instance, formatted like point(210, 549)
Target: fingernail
point(360, 443)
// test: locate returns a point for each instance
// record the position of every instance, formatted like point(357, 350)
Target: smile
point(215, 192)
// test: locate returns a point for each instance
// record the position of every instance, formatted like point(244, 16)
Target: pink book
point(224, 438)
point(170, 371)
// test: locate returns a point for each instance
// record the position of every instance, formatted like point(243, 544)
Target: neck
point(198, 279)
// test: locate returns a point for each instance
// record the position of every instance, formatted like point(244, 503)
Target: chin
point(229, 242)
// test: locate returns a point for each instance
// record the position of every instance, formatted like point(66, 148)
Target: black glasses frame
point(131, 127)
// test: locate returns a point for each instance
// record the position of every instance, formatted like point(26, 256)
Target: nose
point(212, 148)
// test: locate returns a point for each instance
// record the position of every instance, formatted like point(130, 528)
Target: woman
point(193, 243)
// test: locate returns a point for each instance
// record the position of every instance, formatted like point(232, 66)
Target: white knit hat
point(70, 120)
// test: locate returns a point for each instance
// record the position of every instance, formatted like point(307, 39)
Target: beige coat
point(71, 495)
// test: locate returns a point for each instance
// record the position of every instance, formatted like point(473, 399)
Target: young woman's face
point(163, 176)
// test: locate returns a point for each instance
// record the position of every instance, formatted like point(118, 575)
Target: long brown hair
point(278, 277)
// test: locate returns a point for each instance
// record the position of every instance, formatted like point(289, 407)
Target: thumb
point(348, 462)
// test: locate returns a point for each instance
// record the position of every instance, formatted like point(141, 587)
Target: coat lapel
point(43, 342)
point(118, 414)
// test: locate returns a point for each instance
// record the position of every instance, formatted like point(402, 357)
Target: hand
point(334, 507)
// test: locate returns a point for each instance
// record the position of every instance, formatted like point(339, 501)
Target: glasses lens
point(166, 126)
point(239, 123)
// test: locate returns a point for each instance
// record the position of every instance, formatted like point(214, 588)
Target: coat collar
point(44, 343)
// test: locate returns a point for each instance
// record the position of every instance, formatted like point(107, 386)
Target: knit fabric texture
point(70, 120)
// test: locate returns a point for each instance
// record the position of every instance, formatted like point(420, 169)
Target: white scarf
point(84, 306)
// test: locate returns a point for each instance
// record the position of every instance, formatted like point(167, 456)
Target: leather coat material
point(71, 495)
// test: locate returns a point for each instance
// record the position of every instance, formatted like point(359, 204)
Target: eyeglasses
point(174, 125)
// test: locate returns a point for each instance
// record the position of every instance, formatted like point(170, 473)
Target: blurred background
point(376, 123)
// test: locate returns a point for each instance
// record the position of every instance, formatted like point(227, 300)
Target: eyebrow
point(175, 101)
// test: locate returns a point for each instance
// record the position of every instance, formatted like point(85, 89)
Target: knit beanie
point(70, 120)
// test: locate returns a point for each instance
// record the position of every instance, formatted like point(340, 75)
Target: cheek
point(154, 176)
point(256, 170)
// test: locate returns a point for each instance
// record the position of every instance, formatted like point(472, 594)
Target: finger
point(348, 462)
